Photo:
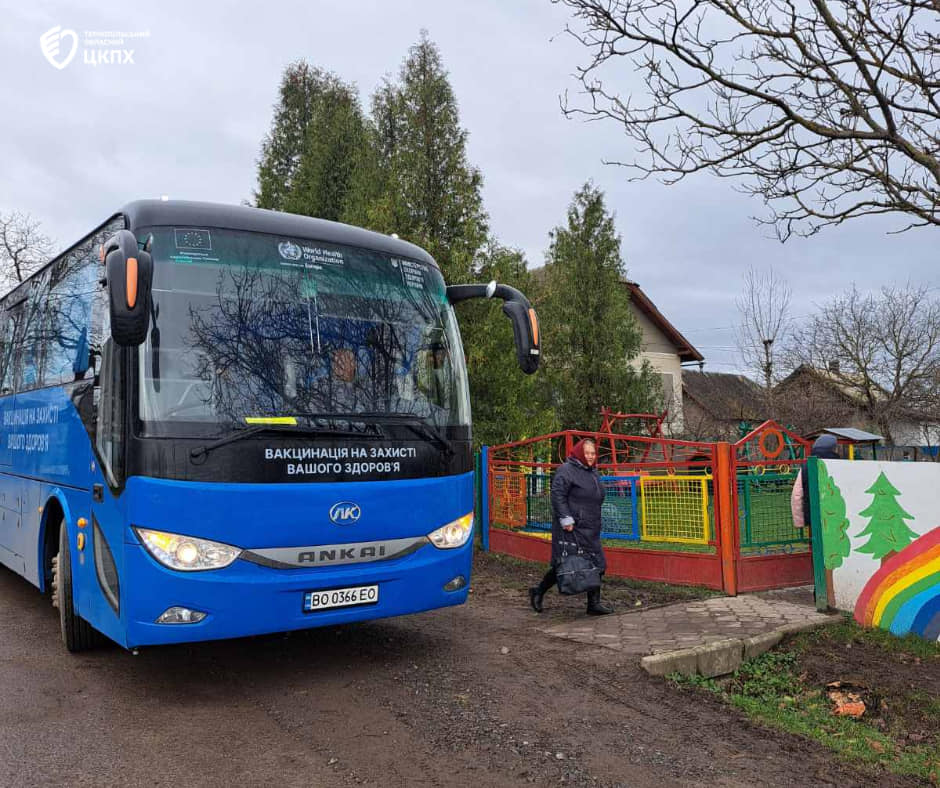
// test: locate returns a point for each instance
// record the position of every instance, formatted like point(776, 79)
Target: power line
point(733, 327)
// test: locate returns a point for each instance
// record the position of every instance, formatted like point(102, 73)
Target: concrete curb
point(722, 656)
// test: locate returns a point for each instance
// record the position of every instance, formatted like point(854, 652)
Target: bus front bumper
point(248, 599)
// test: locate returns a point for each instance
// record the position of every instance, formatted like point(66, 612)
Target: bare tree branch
point(23, 248)
point(826, 111)
point(764, 309)
point(882, 350)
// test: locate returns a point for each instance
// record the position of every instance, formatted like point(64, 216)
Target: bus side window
point(69, 319)
point(11, 375)
point(7, 332)
point(110, 422)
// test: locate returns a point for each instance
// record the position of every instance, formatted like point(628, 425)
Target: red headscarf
point(578, 452)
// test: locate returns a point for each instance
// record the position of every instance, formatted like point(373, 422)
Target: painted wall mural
point(880, 526)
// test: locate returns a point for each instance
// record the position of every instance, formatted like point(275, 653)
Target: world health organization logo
point(289, 250)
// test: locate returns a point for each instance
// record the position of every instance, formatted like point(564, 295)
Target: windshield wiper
point(415, 424)
point(247, 432)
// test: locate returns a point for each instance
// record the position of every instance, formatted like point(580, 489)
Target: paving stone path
point(685, 625)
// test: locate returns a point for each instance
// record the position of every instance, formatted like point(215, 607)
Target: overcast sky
point(187, 116)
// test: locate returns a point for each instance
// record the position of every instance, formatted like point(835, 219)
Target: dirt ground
point(901, 691)
point(469, 695)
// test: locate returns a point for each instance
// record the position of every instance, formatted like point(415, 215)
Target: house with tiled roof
point(721, 406)
point(812, 399)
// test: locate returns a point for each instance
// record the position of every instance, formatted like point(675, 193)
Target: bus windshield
point(248, 326)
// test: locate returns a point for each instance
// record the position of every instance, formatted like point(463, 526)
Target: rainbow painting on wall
point(878, 555)
point(903, 596)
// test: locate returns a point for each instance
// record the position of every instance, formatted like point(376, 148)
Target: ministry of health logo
point(59, 46)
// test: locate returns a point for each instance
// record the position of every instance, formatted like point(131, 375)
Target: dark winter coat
point(577, 492)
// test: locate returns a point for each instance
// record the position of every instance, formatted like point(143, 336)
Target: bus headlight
point(186, 553)
point(454, 534)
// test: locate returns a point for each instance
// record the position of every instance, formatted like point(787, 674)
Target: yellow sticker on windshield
point(270, 419)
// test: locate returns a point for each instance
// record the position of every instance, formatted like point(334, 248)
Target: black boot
point(595, 607)
point(535, 598)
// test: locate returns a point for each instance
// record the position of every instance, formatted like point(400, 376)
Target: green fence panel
point(764, 515)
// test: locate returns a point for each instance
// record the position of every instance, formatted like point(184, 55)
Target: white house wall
point(661, 354)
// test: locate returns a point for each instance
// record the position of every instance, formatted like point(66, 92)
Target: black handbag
point(576, 571)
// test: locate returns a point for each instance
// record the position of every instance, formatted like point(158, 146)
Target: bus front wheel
point(77, 634)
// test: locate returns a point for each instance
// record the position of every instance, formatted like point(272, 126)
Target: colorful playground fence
point(712, 514)
point(636, 508)
point(620, 514)
point(675, 509)
point(765, 519)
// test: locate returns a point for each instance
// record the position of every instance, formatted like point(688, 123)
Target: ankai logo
point(345, 513)
point(51, 42)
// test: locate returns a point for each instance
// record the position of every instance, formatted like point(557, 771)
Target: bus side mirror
point(525, 323)
point(129, 275)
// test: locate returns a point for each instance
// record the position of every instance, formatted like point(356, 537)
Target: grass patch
point(778, 689)
point(850, 633)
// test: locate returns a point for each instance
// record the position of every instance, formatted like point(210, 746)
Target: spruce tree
point(591, 337)
point(886, 530)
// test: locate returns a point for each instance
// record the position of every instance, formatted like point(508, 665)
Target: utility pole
point(768, 375)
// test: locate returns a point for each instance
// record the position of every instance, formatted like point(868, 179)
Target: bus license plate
point(340, 597)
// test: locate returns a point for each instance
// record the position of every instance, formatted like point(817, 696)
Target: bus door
point(101, 569)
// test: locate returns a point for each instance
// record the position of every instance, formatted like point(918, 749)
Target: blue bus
point(221, 421)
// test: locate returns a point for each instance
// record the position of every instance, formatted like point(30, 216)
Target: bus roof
point(153, 213)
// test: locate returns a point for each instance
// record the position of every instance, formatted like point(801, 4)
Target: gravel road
point(469, 695)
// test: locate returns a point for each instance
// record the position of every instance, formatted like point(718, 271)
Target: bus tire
point(77, 634)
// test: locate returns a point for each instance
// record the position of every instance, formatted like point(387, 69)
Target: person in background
point(824, 448)
point(435, 376)
point(577, 496)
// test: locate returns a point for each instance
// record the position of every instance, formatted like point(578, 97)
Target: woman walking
point(577, 495)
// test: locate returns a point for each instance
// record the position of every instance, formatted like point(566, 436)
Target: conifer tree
point(591, 336)
point(431, 195)
point(886, 530)
point(372, 200)
point(507, 405)
point(316, 143)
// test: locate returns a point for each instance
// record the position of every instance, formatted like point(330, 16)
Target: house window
point(668, 388)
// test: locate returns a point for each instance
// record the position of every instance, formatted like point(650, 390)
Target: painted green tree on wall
point(834, 524)
point(886, 530)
